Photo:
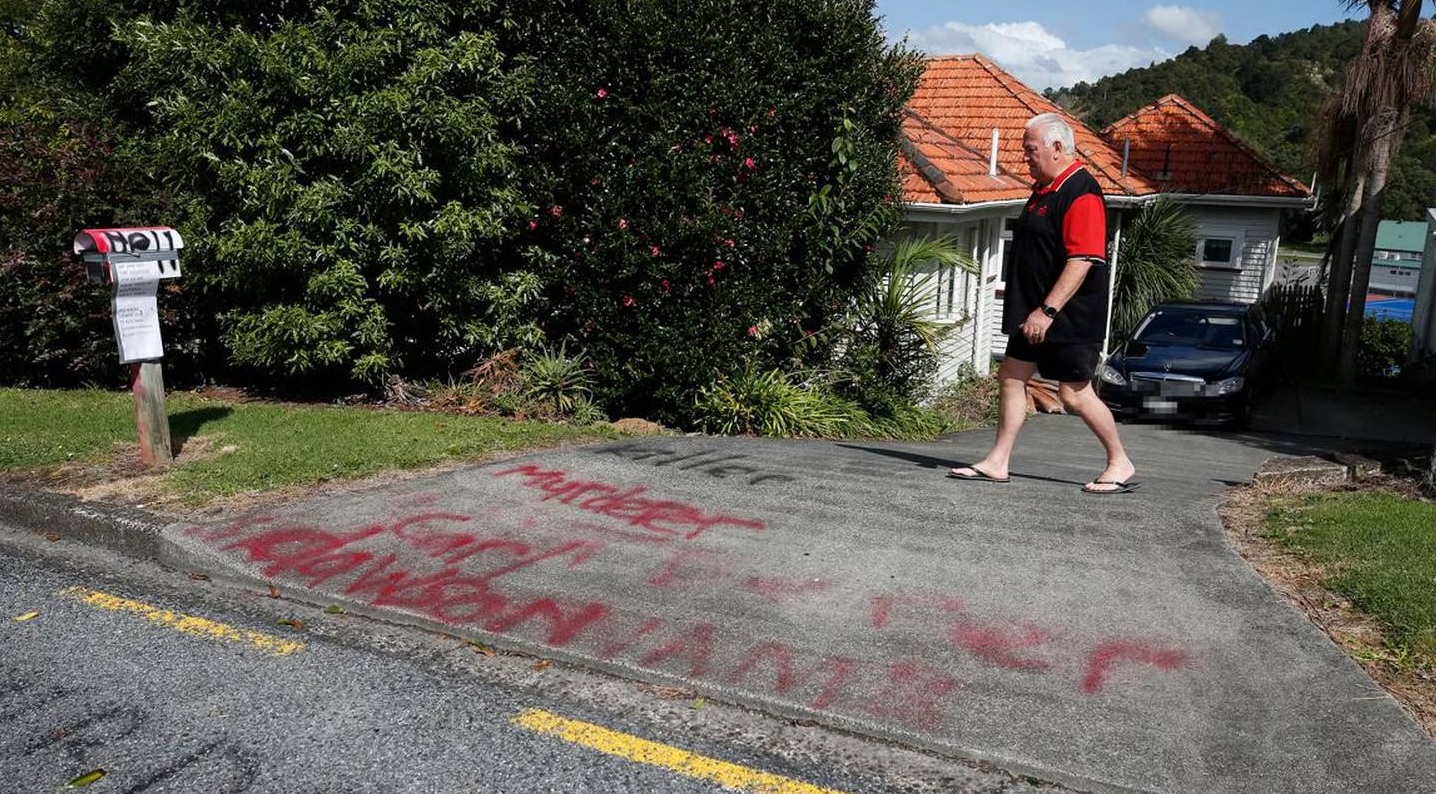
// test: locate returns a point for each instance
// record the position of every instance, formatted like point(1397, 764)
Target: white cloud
point(1032, 53)
point(1183, 25)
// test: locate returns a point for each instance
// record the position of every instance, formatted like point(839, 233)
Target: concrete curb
point(125, 530)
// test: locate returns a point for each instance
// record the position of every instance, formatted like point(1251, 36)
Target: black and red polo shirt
point(1065, 219)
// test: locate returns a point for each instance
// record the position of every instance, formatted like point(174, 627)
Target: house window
point(1218, 252)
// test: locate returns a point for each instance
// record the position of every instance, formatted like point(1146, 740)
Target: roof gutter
point(1294, 202)
point(960, 209)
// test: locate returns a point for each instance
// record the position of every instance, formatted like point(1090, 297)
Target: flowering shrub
point(711, 168)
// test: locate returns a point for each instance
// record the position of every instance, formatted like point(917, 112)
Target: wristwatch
point(1047, 310)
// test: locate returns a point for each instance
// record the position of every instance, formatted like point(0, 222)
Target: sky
point(1050, 44)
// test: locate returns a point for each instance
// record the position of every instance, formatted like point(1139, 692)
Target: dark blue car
point(1190, 361)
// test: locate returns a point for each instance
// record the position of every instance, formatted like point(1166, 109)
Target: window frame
point(1237, 239)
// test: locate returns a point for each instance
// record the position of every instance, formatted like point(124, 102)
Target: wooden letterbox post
point(133, 261)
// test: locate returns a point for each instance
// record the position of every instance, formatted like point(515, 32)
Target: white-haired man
point(1055, 305)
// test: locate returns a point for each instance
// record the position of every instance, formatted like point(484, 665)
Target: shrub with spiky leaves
point(556, 381)
point(773, 403)
point(889, 340)
point(1157, 263)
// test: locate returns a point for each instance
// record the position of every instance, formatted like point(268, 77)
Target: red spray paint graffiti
point(454, 568)
point(629, 505)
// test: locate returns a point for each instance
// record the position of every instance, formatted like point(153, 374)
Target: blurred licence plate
point(1178, 388)
point(1157, 406)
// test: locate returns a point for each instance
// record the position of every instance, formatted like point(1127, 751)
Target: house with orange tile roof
point(964, 176)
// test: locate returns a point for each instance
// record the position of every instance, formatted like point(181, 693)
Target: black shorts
point(1065, 363)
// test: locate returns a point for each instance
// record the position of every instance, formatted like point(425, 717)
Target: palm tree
point(892, 328)
point(1155, 264)
point(1358, 131)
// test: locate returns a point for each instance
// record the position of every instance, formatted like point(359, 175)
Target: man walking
point(1055, 306)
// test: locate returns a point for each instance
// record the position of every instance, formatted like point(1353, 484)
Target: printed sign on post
point(134, 261)
point(137, 321)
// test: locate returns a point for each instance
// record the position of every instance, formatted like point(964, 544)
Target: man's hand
point(1034, 328)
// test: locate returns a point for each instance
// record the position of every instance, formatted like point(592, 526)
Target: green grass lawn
point(1379, 548)
point(250, 446)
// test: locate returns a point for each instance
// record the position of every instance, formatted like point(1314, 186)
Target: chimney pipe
point(992, 161)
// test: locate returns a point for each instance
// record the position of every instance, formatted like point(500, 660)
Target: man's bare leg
point(1012, 377)
point(1080, 398)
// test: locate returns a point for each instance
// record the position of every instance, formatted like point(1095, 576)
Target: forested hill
point(1268, 92)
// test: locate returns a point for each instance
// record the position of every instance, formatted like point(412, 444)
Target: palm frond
point(1156, 262)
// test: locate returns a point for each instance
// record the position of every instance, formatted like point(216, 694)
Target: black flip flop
point(979, 476)
point(1118, 487)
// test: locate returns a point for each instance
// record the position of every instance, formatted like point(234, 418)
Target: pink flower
point(752, 330)
point(749, 164)
point(533, 225)
point(653, 250)
point(718, 264)
point(666, 286)
point(728, 243)
point(627, 300)
point(555, 210)
point(602, 93)
point(622, 224)
point(711, 280)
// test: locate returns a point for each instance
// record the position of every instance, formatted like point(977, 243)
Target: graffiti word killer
point(710, 462)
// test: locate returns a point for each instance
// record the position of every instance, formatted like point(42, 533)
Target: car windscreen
point(1191, 329)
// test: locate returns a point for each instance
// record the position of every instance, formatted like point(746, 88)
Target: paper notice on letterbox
point(137, 321)
point(125, 272)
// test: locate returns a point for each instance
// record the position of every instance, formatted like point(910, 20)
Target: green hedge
point(371, 188)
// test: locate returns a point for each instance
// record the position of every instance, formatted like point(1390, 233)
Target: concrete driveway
point(1105, 642)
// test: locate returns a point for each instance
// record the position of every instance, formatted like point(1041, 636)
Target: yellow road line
point(186, 624)
point(729, 776)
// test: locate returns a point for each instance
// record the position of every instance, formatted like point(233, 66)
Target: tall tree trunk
point(1338, 280)
point(1385, 135)
point(1430, 480)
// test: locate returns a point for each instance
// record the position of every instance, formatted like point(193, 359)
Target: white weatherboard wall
point(965, 301)
point(1255, 234)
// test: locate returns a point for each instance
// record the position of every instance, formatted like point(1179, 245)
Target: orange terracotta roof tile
point(944, 170)
point(959, 101)
point(1184, 151)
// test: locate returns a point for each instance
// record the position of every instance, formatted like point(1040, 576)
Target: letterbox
point(133, 261)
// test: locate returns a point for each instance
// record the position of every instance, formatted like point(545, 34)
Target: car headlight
point(1109, 375)
point(1228, 386)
